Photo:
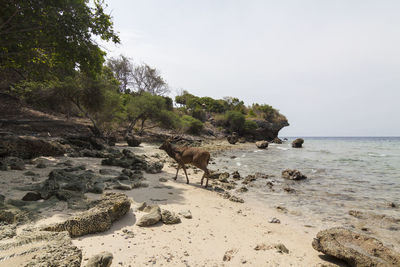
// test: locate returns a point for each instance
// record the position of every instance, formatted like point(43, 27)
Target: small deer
point(188, 155)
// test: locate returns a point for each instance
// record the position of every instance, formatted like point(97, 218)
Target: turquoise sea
point(344, 173)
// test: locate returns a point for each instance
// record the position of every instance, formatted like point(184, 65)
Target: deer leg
point(206, 173)
point(202, 178)
point(187, 178)
point(177, 170)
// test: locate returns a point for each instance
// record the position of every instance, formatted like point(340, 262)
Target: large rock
point(233, 139)
point(105, 211)
point(134, 162)
point(40, 248)
point(298, 143)
point(27, 147)
point(12, 163)
point(267, 130)
point(103, 259)
point(277, 140)
point(355, 248)
point(262, 144)
point(132, 141)
point(153, 216)
point(293, 175)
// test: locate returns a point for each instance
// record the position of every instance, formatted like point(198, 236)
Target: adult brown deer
point(188, 155)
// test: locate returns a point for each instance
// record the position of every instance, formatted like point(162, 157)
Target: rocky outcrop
point(293, 175)
point(99, 218)
point(262, 144)
point(298, 143)
point(132, 141)
point(268, 130)
point(233, 138)
point(169, 217)
point(27, 147)
point(12, 163)
point(355, 248)
point(103, 259)
point(277, 140)
point(40, 248)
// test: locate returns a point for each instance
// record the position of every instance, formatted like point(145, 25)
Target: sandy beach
point(220, 232)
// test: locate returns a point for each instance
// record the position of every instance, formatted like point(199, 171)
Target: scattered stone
point(261, 247)
point(153, 216)
point(132, 141)
point(293, 175)
point(103, 259)
point(233, 139)
point(355, 248)
point(236, 199)
point(30, 173)
point(242, 140)
point(289, 190)
point(262, 144)
point(281, 248)
point(298, 143)
point(32, 196)
point(169, 217)
point(140, 206)
point(41, 165)
point(14, 163)
point(243, 189)
point(228, 255)
point(236, 175)
point(274, 220)
point(392, 205)
point(109, 172)
point(249, 178)
point(277, 140)
point(110, 208)
point(122, 186)
point(281, 209)
point(186, 214)
point(163, 180)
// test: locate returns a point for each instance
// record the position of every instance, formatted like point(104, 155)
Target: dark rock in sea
point(27, 147)
point(103, 259)
point(169, 217)
point(153, 216)
point(40, 248)
point(262, 144)
point(110, 208)
point(41, 165)
point(233, 139)
point(163, 180)
point(277, 140)
point(132, 141)
point(355, 248)
point(32, 196)
point(293, 175)
point(298, 143)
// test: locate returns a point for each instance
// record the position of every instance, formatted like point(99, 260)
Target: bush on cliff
point(191, 125)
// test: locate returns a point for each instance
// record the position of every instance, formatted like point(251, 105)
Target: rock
point(40, 248)
point(281, 248)
point(298, 143)
point(249, 178)
point(89, 142)
point(29, 147)
point(109, 172)
point(236, 175)
point(153, 216)
point(2, 198)
point(236, 199)
point(103, 259)
point(4, 165)
point(293, 175)
point(30, 173)
point(169, 217)
point(163, 180)
point(140, 206)
point(32, 196)
point(7, 231)
point(154, 167)
point(132, 141)
point(128, 161)
point(277, 140)
point(289, 190)
point(228, 255)
point(242, 140)
point(111, 207)
point(243, 189)
point(41, 165)
point(268, 130)
point(13, 163)
point(274, 220)
point(186, 214)
point(355, 248)
point(233, 139)
point(122, 186)
point(262, 144)
point(392, 205)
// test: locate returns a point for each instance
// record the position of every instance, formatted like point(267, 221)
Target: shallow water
point(343, 174)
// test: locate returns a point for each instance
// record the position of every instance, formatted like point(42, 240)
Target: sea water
point(344, 173)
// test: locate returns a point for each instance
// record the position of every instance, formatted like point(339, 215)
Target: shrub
point(249, 126)
point(235, 120)
point(199, 114)
point(191, 125)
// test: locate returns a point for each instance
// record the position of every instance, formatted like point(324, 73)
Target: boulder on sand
point(103, 259)
point(169, 217)
point(99, 218)
point(293, 175)
point(233, 139)
point(153, 216)
point(298, 143)
point(355, 248)
point(132, 141)
point(262, 144)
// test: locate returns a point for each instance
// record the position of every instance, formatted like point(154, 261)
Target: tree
point(147, 79)
point(122, 68)
point(39, 38)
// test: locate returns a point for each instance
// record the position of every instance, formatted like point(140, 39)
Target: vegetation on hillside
point(50, 60)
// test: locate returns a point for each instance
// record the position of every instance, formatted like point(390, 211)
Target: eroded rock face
point(277, 140)
point(232, 139)
point(293, 175)
point(169, 217)
point(103, 259)
point(298, 143)
point(99, 218)
point(262, 144)
point(27, 147)
point(355, 248)
point(40, 248)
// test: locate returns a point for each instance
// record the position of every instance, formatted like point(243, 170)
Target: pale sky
point(332, 67)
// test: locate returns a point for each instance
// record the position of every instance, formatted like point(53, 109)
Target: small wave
point(376, 155)
point(349, 160)
point(282, 148)
point(238, 164)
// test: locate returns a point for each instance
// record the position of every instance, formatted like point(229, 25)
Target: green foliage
point(42, 38)
point(199, 114)
point(249, 126)
point(169, 119)
point(235, 121)
point(191, 125)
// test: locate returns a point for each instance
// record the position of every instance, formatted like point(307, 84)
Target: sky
point(332, 67)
